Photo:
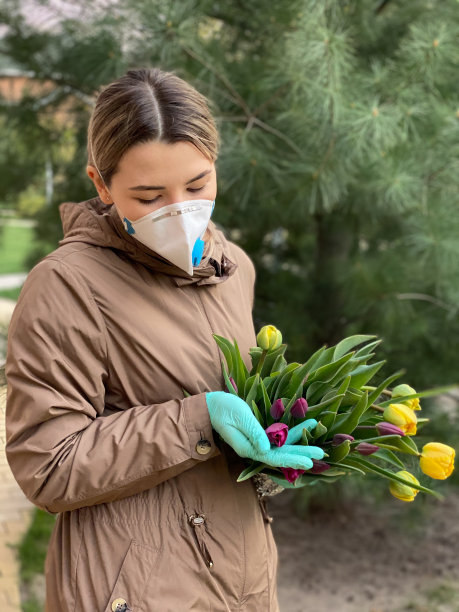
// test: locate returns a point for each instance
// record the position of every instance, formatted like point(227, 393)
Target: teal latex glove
point(234, 420)
point(295, 433)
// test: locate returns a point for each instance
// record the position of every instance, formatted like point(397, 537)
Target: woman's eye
point(193, 190)
point(147, 201)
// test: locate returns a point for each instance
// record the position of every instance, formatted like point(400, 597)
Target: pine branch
point(238, 99)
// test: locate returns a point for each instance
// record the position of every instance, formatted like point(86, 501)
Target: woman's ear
point(99, 185)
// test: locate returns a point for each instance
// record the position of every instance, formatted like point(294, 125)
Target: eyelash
point(154, 199)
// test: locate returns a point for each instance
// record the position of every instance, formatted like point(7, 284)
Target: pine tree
point(338, 171)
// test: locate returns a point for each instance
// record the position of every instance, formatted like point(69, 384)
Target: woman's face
point(154, 174)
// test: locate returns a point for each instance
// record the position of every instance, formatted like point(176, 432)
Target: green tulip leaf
point(249, 471)
point(328, 371)
point(365, 350)
point(333, 472)
point(315, 359)
point(282, 381)
point(229, 385)
point(375, 393)
point(241, 370)
point(347, 466)
point(228, 352)
point(352, 419)
point(363, 373)
point(349, 343)
point(338, 453)
point(255, 354)
point(389, 456)
point(257, 414)
point(252, 394)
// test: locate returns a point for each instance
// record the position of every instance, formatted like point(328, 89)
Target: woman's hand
point(234, 420)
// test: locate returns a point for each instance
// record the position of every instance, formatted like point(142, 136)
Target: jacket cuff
point(199, 427)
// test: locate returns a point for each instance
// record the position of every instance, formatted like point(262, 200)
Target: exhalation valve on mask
point(175, 231)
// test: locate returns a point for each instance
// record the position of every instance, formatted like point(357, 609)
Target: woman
point(108, 332)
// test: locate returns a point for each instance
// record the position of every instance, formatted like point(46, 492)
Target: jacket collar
point(94, 222)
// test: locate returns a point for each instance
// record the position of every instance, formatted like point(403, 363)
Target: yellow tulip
point(269, 338)
point(402, 416)
point(400, 390)
point(402, 491)
point(437, 460)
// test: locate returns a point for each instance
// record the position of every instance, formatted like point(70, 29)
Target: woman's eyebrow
point(151, 187)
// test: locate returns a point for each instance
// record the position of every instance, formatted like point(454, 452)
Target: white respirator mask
point(175, 231)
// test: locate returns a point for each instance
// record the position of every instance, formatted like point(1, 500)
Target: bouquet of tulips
point(359, 431)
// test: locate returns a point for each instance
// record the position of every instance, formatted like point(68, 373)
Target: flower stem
point(384, 391)
point(261, 362)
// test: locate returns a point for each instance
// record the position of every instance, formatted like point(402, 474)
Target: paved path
point(15, 509)
point(11, 281)
point(15, 517)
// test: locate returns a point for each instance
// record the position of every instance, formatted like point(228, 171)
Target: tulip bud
point(233, 382)
point(437, 460)
point(299, 408)
point(319, 466)
point(365, 448)
point(277, 433)
point(389, 429)
point(291, 474)
point(402, 491)
point(340, 437)
point(277, 409)
point(269, 338)
point(401, 390)
point(402, 416)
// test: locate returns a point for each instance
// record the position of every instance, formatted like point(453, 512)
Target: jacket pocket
point(127, 594)
point(198, 523)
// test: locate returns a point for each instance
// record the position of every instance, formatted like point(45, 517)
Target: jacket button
point(120, 605)
point(203, 447)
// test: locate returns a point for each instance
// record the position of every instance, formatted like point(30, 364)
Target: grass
point(32, 549)
point(15, 243)
point(11, 294)
point(32, 554)
point(443, 597)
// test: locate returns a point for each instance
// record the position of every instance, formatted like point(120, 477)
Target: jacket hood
point(99, 224)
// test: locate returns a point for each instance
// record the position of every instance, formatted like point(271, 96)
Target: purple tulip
point(291, 474)
point(299, 408)
point(277, 409)
point(277, 433)
point(319, 466)
point(365, 448)
point(339, 438)
point(388, 429)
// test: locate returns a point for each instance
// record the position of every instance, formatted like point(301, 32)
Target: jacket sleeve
point(62, 452)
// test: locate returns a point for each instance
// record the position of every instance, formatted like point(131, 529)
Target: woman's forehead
point(158, 163)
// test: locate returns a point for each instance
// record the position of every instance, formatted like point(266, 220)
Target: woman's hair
point(147, 104)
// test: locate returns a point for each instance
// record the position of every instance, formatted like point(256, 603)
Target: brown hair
point(148, 104)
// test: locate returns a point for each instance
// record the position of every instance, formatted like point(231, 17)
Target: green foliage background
point(338, 171)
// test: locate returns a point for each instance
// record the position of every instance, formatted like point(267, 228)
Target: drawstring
point(267, 518)
point(197, 520)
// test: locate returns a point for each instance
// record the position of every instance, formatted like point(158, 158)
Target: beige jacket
point(103, 339)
